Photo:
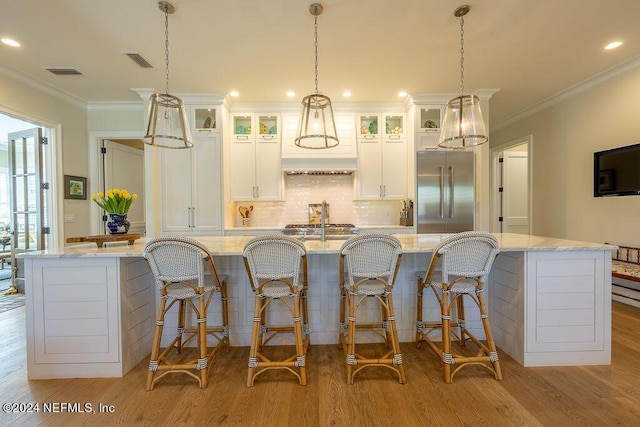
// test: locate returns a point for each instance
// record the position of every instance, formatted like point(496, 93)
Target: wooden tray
point(106, 238)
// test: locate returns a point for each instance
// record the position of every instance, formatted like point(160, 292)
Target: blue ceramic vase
point(118, 224)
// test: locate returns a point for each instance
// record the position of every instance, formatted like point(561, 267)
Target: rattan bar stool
point(466, 260)
point(273, 265)
point(368, 267)
point(178, 264)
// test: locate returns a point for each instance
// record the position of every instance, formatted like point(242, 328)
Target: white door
point(515, 201)
point(124, 169)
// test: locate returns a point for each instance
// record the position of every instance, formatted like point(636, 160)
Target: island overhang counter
point(91, 311)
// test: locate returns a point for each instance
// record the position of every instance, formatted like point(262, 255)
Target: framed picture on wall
point(75, 187)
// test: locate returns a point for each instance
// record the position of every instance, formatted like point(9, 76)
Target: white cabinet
point(191, 187)
point(255, 171)
point(382, 157)
point(428, 119)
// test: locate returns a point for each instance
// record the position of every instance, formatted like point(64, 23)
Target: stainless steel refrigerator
point(446, 194)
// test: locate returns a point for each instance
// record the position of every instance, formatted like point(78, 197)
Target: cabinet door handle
point(257, 192)
point(193, 217)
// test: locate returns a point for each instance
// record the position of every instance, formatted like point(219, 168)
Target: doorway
point(27, 204)
point(511, 187)
point(116, 160)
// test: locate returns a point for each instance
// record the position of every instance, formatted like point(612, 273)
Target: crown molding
point(44, 87)
point(569, 92)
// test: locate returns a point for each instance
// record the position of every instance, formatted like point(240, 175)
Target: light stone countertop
point(233, 245)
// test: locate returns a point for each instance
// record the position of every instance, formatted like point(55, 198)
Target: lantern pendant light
point(463, 125)
point(168, 126)
point(317, 127)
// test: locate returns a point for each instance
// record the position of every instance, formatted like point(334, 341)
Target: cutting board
point(101, 239)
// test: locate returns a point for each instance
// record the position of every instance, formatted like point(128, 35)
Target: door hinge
point(500, 160)
point(44, 140)
point(105, 217)
point(500, 218)
point(46, 230)
point(103, 150)
point(500, 189)
point(45, 185)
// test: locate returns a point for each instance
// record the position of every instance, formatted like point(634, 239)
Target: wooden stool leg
point(351, 338)
point(155, 350)
point(493, 352)
point(253, 352)
point(181, 325)
point(225, 314)
point(419, 323)
point(447, 357)
point(300, 347)
point(395, 345)
point(461, 320)
point(342, 326)
point(305, 319)
point(203, 360)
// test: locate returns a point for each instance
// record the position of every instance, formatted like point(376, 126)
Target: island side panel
point(568, 308)
point(138, 313)
point(72, 317)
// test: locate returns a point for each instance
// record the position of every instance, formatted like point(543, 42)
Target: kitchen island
point(91, 311)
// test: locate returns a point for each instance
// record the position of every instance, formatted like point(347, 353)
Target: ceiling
point(529, 50)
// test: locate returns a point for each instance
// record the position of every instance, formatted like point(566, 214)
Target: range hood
point(319, 166)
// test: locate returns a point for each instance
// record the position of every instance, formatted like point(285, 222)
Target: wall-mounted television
point(616, 172)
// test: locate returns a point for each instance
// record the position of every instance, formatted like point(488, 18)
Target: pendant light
point(168, 126)
point(317, 127)
point(463, 125)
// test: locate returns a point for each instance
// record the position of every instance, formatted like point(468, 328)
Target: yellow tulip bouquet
point(116, 201)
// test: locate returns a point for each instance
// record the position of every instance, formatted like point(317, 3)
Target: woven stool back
point(468, 254)
point(176, 259)
point(274, 257)
point(371, 255)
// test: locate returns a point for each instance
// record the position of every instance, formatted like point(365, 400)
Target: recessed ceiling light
point(291, 94)
point(10, 42)
point(402, 94)
point(613, 45)
point(234, 93)
point(346, 93)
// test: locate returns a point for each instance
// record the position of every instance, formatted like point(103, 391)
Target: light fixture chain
point(461, 54)
point(166, 48)
point(315, 35)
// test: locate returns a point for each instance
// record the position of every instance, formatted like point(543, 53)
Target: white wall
point(565, 136)
point(19, 99)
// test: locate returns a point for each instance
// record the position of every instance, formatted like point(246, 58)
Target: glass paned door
point(27, 199)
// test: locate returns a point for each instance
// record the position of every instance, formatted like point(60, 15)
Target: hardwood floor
point(567, 396)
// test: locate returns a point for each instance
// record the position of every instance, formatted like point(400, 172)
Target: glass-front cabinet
point(429, 119)
point(368, 126)
point(268, 126)
point(242, 126)
point(394, 127)
point(204, 118)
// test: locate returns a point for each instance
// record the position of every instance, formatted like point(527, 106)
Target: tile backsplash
point(336, 190)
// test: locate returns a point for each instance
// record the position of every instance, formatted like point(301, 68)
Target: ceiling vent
point(138, 59)
point(64, 71)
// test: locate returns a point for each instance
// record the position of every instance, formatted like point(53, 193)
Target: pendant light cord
point(166, 48)
point(461, 55)
point(315, 35)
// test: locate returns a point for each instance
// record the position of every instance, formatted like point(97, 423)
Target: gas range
point(312, 231)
